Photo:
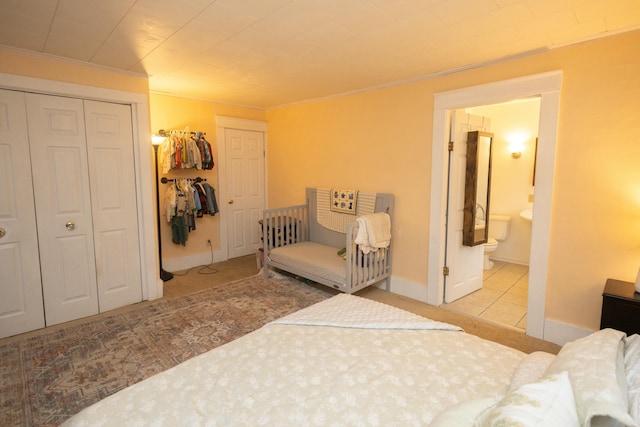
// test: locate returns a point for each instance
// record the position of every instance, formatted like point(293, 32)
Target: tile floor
point(503, 297)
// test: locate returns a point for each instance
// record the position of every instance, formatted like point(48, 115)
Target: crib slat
point(364, 269)
point(285, 226)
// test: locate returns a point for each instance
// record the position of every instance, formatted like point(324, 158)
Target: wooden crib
point(295, 242)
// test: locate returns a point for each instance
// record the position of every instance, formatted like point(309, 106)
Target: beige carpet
point(511, 337)
point(204, 277)
point(46, 377)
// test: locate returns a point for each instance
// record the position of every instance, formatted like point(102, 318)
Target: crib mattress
point(313, 258)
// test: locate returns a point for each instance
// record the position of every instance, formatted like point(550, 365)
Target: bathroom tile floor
point(502, 298)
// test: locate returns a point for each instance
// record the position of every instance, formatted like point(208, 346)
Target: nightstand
point(620, 307)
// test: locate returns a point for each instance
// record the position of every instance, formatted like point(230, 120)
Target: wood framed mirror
point(477, 188)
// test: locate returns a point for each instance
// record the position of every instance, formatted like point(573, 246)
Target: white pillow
point(463, 414)
point(632, 373)
point(595, 365)
point(547, 403)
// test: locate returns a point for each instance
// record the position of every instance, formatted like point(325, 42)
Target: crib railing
point(365, 269)
point(289, 225)
point(285, 226)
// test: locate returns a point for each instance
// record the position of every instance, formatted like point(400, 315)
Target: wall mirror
point(477, 187)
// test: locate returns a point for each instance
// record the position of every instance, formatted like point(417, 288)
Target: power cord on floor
point(202, 269)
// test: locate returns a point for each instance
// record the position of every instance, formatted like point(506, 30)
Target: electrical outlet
point(208, 242)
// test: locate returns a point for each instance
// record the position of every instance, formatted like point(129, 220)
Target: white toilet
point(498, 230)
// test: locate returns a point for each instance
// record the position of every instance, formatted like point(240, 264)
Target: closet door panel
point(114, 206)
point(63, 206)
point(20, 286)
point(70, 255)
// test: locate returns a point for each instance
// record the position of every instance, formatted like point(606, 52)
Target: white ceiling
point(266, 53)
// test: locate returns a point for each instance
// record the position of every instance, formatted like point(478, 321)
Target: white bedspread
point(348, 311)
point(354, 372)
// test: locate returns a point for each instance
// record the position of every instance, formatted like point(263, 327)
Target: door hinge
point(450, 145)
point(445, 271)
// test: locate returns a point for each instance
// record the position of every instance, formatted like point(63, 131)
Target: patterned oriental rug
point(49, 377)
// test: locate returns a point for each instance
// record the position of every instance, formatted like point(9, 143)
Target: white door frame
point(547, 87)
point(151, 283)
point(222, 123)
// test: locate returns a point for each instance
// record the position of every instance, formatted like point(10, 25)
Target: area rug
point(47, 378)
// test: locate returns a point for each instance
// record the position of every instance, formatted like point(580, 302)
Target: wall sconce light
point(516, 142)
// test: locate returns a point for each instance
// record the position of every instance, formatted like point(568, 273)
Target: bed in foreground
point(352, 361)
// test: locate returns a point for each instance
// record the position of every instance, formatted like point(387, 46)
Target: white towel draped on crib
point(374, 232)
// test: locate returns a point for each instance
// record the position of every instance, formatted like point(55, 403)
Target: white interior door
point(465, 262)
point(21, 307)
point(63, 207)
point(245, 189)
point(113, 203)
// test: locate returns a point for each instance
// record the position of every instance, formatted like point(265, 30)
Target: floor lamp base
point(165, 275)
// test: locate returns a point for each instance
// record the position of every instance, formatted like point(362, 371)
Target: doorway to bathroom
point(546, 86)
point(466, 277)
point(501, 294)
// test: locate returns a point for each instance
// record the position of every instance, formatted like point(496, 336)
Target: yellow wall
point(51, 68)
point(381, 141)
point(168, 112)
point(377, 141)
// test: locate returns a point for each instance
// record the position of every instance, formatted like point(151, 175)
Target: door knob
point(230, 201)
point(2, 232)
point(70, 225)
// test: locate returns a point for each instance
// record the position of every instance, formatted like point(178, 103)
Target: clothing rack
point(185, 200)
point(165, 180)
point(163, 132)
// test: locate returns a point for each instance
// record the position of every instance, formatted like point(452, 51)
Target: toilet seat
point(491, 242)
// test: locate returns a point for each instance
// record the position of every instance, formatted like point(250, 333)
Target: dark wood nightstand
point(620, 307)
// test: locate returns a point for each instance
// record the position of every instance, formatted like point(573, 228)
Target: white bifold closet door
point(82, 167)
point(21, 306)
point(63, 207)
point(113, 203)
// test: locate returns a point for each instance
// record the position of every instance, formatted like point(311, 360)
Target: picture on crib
point(344, 201)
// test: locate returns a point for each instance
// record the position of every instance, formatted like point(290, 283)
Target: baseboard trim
point(510, 261)
point(562, 333)
point(183, 263)
point(406, 288)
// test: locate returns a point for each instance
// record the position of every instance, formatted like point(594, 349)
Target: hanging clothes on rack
point(180, 208)
point(185, 150)
point(202, 197)
point(170, 206)
point(186, 199)
point(204, 148)
point(212, 203)
point(192, 158)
